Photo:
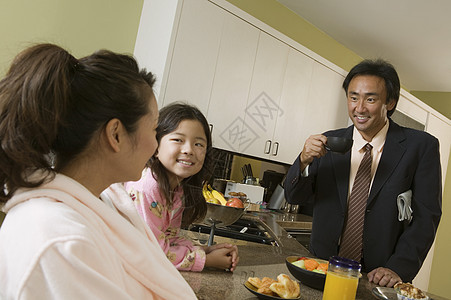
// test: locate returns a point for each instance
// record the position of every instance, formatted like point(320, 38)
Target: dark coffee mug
point(338, 144)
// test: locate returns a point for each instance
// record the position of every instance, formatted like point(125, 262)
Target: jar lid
point(345, 263)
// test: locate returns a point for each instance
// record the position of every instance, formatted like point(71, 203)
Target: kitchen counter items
point(259, 260)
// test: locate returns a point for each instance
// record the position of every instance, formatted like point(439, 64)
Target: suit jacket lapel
point(342, 166)
point(391, 156)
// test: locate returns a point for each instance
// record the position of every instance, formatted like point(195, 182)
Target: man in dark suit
point(405, 162)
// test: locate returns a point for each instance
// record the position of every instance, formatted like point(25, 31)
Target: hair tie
point(75, 63)
point(77, 66)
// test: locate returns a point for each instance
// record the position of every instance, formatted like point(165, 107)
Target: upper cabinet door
point(290, 133)
point(231, 84)
point(262, 107)
point(195, 53)
point(326, 107)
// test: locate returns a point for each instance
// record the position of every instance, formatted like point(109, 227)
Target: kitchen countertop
point(287, 221)
point(259, 260)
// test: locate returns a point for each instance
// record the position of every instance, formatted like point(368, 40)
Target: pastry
point(255, 281)
point(264, 288)
point(406, 291)
point(285, 287)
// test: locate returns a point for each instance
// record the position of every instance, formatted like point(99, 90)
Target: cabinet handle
point(275, 149)
point(267, 147)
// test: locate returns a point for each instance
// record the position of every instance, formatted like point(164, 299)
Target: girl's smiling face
point(182, 152)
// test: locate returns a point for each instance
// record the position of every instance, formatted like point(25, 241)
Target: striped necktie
point(352, 239)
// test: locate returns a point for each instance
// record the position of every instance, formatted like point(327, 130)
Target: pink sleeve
point(165, 224)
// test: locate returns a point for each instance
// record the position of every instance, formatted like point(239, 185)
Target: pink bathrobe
point(165, 223)
point(59, 241)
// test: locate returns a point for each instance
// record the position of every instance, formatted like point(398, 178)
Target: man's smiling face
point(367, 104)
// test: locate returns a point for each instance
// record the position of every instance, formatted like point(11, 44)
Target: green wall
point(284, 20)
point(441, 265)
point(440, 101)
point(81, 26)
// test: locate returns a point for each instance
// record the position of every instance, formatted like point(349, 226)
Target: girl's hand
point(234, 254)
point(222, 256)
point(208, 249)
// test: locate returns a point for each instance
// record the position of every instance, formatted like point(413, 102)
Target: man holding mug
point(380, 202)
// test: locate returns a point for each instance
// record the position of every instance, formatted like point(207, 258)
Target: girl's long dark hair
point(53, 105)
point(194, 203)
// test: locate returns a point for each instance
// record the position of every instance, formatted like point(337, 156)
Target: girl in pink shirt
point(169, 191)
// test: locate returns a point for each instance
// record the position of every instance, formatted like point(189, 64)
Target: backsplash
point(228, 165)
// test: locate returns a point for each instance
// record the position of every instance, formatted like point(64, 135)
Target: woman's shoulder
point(54, 232)
point(49, 223)
point(46, 215)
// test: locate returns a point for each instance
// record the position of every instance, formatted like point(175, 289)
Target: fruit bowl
point(220, 215)
point(309, 278)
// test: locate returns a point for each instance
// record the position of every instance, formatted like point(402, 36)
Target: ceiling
point(414, 35)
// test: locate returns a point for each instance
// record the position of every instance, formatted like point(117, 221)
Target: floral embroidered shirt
point(165, 223)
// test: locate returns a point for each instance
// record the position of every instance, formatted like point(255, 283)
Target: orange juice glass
point(342, 279)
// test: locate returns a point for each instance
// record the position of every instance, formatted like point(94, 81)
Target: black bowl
point(309, 278)
point(338, 144)
point(253, 290)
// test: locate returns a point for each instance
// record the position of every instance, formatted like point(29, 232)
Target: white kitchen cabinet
point(264, 96)
point(289, 134)
point(232, 80)
point(196, 48)
point(411, 110)
point(313, 101)
point(154, 41)
point(325, 107)
point(255, 90)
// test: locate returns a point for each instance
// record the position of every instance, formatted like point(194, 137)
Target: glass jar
point(342, 279)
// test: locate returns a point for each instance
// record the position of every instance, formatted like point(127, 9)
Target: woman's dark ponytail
point(33, 99)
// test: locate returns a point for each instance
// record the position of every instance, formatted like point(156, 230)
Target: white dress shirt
point(358, 150)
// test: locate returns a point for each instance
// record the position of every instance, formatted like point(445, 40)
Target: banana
point(210, 193)
point(206, 192)
point(219, 196)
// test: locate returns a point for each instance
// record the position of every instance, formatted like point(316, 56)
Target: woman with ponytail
point(70, 128)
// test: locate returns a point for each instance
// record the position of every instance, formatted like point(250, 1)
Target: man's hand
point(383, 277)
point(313, 147)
